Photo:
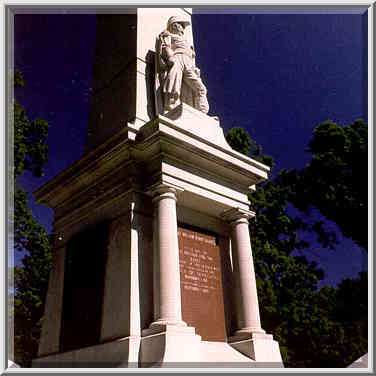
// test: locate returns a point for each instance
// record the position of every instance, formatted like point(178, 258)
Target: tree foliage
point(309, 324)
point(30, 139)
point(335, 181)
point(30, 278)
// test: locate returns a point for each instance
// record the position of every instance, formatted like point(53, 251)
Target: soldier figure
point(179, 77)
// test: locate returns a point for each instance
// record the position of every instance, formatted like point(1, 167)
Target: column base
point(164, 323)
point(164, 345)
point(258, 346)
point(247, 332)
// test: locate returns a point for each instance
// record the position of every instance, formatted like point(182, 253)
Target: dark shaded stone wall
point(113, 99)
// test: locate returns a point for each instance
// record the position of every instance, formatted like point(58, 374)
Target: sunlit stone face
point(177, 28)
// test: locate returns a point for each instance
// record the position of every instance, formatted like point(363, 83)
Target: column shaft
point(167, 296)
point(248, 315)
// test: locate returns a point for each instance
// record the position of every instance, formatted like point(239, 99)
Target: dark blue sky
point(277, 75)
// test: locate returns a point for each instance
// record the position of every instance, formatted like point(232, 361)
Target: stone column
point(248, 315)
point(167, 297)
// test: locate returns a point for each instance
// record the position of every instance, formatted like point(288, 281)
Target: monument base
point(169, 344)
point(258, 346)
point(168, 347)
point(179, 347)
point(120, 353)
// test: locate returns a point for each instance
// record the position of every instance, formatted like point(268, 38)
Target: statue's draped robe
point(170, 80)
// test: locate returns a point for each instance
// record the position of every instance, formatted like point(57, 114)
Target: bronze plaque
point(201, 284)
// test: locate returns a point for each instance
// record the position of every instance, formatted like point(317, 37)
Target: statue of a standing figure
point(179, 78)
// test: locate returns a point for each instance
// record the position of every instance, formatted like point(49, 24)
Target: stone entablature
point(163, 151)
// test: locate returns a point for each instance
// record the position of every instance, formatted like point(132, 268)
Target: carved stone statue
point(178, 76)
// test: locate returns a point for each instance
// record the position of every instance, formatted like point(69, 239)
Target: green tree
point(302, 318)
point(320, 334)
point(336, 180)
point(30, 278)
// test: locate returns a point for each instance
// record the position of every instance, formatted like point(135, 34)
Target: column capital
point(237, 215)
point(163, 190)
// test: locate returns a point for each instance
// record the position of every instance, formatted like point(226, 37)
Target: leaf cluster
point(336, 180)
point(323, 334)
point(30, 237)
point(30, 142)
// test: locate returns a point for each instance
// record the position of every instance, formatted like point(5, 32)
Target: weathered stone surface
point(50, 336)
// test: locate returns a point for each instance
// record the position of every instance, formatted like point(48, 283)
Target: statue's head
point(177, 25)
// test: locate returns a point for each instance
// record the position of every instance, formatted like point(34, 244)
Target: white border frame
point(5, 365)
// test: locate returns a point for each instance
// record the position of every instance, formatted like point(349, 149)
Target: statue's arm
point(166, 51)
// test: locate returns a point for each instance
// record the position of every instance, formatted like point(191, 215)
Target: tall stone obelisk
point(123, 73)
point(153, 263)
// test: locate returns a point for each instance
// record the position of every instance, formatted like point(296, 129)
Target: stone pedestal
point(169, 345)
point(186, 180)
point(259, 347)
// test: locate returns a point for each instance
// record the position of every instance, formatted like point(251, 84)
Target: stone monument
point(152, 261)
